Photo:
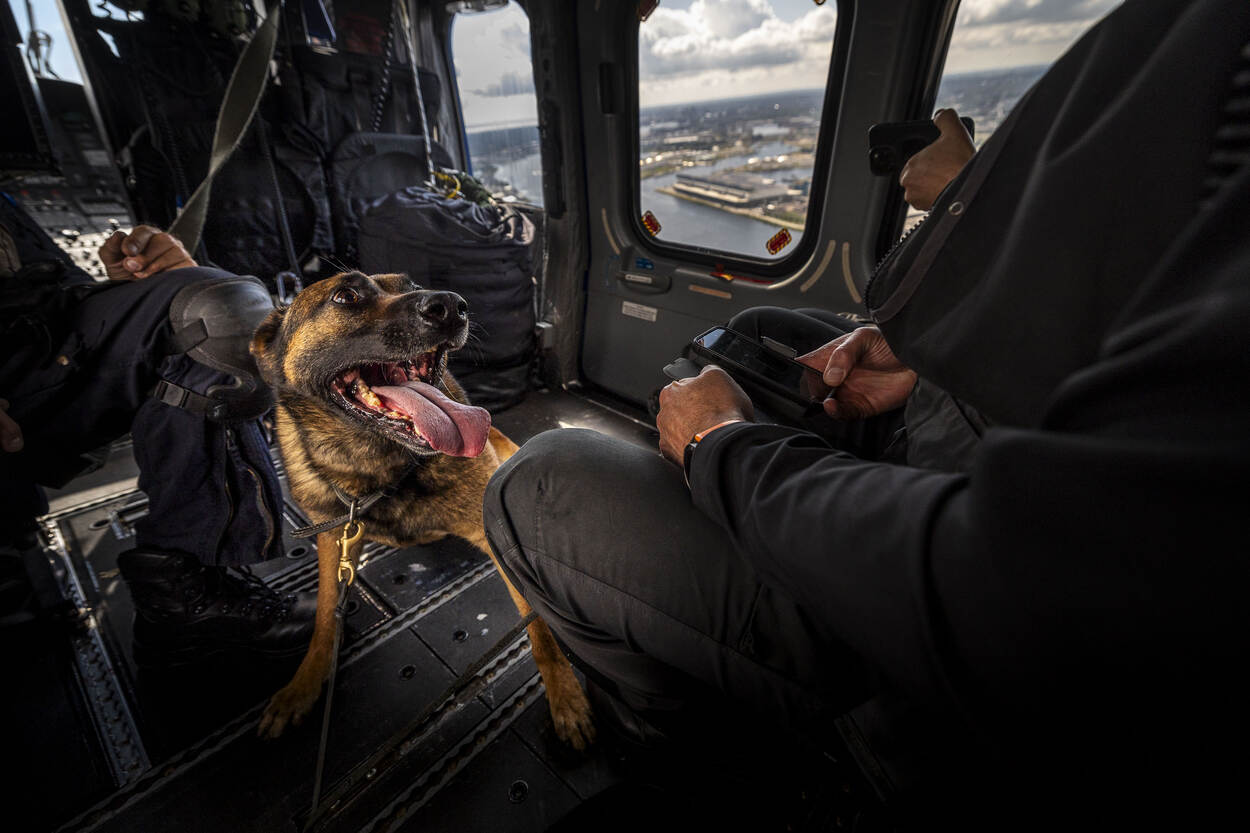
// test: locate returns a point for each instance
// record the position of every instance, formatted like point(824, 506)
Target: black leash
point(347, 575)
point(353, 532)
point(464, 686)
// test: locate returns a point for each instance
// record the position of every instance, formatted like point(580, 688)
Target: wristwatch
point(688, 454)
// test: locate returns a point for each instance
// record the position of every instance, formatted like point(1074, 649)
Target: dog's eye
point(345, 296)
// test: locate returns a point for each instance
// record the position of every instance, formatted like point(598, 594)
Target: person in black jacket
point(83, 363)
point(1053, 636)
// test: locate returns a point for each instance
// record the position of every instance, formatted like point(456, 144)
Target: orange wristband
point(688, 455)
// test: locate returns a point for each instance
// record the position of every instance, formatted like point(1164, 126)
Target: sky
point(708, 49)
point(48, 18)
point(702, 50)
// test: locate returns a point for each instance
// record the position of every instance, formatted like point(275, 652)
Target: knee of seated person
point(560, 459)
point(150, 298)
point(178, 279)
point(212, 318)
point(747, 322)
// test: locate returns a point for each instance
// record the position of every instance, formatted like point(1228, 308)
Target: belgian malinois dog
point(364, 402)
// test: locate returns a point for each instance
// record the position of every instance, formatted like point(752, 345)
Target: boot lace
point(257, 595)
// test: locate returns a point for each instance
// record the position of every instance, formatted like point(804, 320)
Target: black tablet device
point(764, 372)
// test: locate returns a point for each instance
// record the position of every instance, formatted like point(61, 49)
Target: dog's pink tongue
point(448, 426)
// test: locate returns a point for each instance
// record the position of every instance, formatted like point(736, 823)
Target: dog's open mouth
point(403, 400)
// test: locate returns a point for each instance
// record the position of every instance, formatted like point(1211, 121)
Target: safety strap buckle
point(179, 397)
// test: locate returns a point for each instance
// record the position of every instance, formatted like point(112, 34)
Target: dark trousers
point(212, 489)
point(603, 540)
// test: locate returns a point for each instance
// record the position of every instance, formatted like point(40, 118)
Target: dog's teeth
point(366, 395)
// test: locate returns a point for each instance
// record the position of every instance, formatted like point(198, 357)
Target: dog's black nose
point(443, 307)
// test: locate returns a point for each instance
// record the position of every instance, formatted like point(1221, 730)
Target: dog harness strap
point(356, 506)
point(360, 506)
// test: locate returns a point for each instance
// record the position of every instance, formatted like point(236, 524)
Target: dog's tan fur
point(321, 446)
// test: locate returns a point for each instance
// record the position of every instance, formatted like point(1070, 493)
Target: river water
point(682, 221)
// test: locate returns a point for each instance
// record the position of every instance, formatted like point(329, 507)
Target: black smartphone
point(892, 143)
point(762, 370)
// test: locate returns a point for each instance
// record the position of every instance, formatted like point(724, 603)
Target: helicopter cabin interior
point(670, 164)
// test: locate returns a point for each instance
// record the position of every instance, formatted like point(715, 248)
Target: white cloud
point(712, 49)
point(724, 36)
point(1000, 33)
point(729, 19)
point(977, 12)
point(491, 51)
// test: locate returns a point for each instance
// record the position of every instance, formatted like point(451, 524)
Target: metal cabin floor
point(111, 746)
point(104, 745)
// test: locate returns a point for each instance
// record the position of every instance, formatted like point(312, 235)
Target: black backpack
point(482, 252)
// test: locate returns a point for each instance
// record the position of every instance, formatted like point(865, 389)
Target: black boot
point(185, 610)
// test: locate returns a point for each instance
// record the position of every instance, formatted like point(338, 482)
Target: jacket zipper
point(888, 257)
point(260, 494)
point(229, 497)
point(260, 506)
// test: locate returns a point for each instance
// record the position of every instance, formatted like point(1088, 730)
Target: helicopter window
point(49, 52)
point(497, 99)
point(730, 96)
point(998, 50)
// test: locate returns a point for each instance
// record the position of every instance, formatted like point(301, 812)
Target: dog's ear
point(266, 347)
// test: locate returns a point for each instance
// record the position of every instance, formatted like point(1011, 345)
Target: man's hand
point(144, 252)
point(866, 377)
point(689, 406)
point(10, 432)
point(931, 170)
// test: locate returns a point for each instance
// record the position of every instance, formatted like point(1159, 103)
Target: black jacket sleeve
point(848, 539)
point(1089, 571)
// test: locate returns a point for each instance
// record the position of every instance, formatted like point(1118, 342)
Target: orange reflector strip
point(650, 223)
point(778, 241)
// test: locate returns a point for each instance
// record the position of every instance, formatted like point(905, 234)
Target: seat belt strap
point(410, 47)
point(238, 106)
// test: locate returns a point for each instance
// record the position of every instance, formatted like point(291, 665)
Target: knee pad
point(213, 321)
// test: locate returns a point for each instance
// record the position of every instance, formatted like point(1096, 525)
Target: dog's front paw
point(288, 708)
point(570, 712)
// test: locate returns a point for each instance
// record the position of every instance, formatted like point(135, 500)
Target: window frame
point(449, 53)
point(717, 260)
point(462, 129)
point(924, 90)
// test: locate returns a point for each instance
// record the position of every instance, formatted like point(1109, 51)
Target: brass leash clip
point(353, 531)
